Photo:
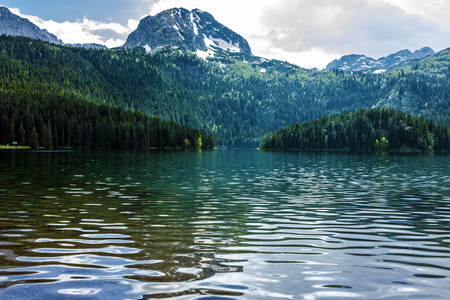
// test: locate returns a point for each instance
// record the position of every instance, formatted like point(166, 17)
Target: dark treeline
point(232, 99)
point(47, 121)
point(366, 130)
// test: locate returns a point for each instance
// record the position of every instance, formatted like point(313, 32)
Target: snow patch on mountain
point(205, 54)
point(362, 63)
point(194, 24)
point(224, 45)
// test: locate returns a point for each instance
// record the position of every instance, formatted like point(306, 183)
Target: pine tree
point(33, 139)
point(12, 134)
point(21, 135)
point(46, 138)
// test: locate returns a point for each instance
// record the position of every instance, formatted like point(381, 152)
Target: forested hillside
point(49, 121)
point(366, 129)
point(421, 89)
point(238, 102)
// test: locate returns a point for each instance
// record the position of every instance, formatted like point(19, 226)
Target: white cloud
point(434, 10)
point(314, 32)
point(112, 43)
point(247, 18)
point(243, 17)
point(90, 25)
point(312, 58)
point(372, 27)
point(83, 31)
point(309, 33)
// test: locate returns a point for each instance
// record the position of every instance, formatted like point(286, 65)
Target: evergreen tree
point(34, 139)
point(12, 134)
point(46, 138)
point(21, 135)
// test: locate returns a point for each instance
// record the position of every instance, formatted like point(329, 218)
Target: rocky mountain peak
point(195, 30)
point(11, 24)
point(362, 63)
point(422, 53)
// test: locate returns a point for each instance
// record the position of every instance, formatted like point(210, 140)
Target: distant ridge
point(198, 32)
point(14, 25)
point(89, 46)
point(11, 24)
point(364, 64)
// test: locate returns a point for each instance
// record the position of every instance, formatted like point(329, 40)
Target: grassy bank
point(14, 147)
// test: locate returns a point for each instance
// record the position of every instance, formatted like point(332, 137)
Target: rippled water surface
point(223, 225)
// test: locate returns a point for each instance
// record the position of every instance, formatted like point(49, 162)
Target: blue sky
point(309, 33)
point(71, 10)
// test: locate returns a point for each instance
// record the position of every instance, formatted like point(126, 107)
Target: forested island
point(375, 129)
point(42, 120)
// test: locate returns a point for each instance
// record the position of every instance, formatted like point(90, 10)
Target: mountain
point(195, 30)
point(198, 32)
point(238, 97)
point(236, 102)
point(362, 63)
point(89, 46)
point(11, 24)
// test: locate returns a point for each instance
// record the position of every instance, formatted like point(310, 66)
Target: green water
point(223, 225)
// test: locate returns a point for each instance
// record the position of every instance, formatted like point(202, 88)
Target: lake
point(223, 225)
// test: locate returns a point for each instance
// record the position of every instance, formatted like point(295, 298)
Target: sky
point(308, 33)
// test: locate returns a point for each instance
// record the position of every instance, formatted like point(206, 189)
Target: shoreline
point(5, 147)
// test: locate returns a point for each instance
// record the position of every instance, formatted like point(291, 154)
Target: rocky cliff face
point(362, 63)
point(11, 24)
point(195, 30)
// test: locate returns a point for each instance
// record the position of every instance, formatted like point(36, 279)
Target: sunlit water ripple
point(223, 225)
